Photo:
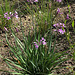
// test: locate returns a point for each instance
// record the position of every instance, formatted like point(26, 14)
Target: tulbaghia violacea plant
point(34, 56)
point(37, 58)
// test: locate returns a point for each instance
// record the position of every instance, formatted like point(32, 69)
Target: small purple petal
point(36, 46)
point(43, 39)
point(58, 11)
point(16, 12)
point(36, 40)
point(16, 16)
point(63, 25)
point(67, 16)
point(56, 25)
point(55, 30)
point(35, 0)
point(59, 1)
point(16, 29)
point(5, 15)
point(8, 18)
point(5, 28)
point(61, 13)
point(44, 43)
point(11, 14)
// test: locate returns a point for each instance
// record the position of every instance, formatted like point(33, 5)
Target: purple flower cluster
point(31, 1)
point(42, 42)
point(10, 15)
point(59, 27)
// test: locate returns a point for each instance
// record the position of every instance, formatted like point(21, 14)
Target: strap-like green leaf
point(73, 24)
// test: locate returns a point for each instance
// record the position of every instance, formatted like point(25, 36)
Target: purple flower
point(16, 14)
point(43, 42)
point(62, 25)
point(61, 31)
point(56, 25)
point(59, 1)
point(5, 28)
point(37, 43)
point(67, 16)
point(11, 14)
point(8, 18)
point(16, 29)
point(5, 15)
point(36, 46)
point(35, 0)
point(61, 13)
point(55, 30)
point(43, 39)
point(58, 11)
point(37, 40)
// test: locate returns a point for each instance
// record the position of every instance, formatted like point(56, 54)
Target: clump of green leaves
point(28, 59)
point(32, 60)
